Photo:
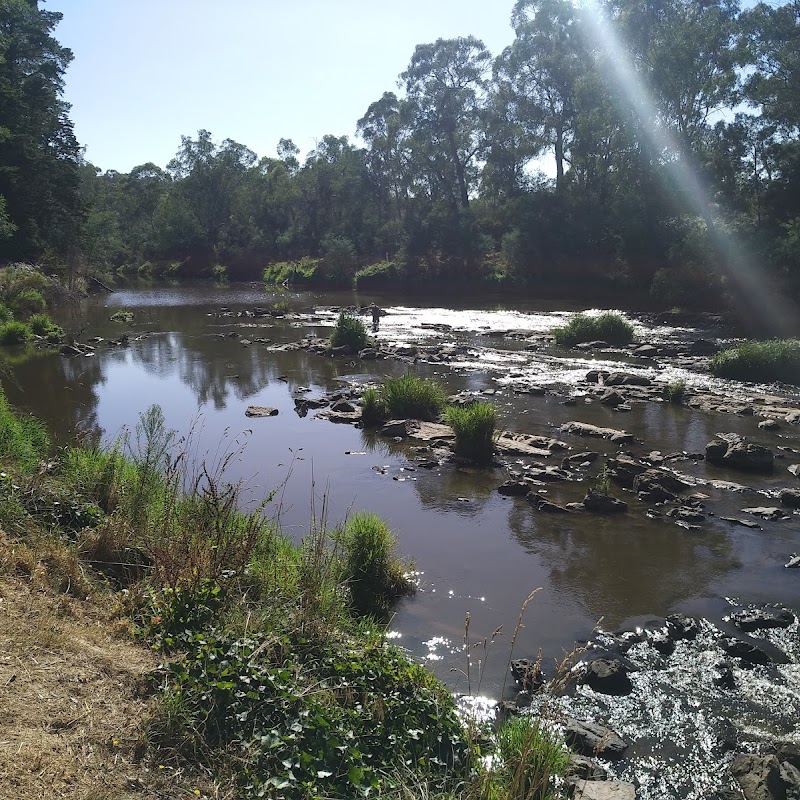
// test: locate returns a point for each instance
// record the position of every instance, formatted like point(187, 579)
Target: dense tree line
point(669, 126)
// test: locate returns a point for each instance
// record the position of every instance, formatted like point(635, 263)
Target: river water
point(477, 552)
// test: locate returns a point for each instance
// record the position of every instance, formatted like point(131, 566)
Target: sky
point(147, 72)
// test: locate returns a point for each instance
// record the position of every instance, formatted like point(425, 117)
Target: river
point(476, 552)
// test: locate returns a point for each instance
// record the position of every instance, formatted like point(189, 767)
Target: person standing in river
point(376, 316)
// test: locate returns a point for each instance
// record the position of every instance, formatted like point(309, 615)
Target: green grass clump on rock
point(608, 327)
point(474, 427)
point(777, 360)
point(410, 397)
point(349, 332)
point(372, 570)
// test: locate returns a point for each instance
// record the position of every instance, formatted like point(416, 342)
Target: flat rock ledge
point(584, 429)
point(261, 411)
point(604, 790)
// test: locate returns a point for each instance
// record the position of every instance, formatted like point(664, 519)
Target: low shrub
point(5, 314)
point(42, 325)
point(26, 303)
point(608, 327)
point(777, 360)
point(349, 332)
point(291, 272)
point(410, 397)
point(219, 273)
point(474, 427)
point(345, 719)
point(14, 332)
point(373, 408)
point(376, 275)
point(373, 573)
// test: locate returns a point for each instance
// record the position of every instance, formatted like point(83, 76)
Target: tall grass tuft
point(413, 398)
point(778, 360)
point(532, 757)
point(608, 327)
point(349, 332)
point(474, 427)
point(372, 570)
point(373, 408)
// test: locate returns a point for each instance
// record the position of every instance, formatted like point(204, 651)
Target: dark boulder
point(759, 776)
point(592, 739)
point(741, 455)
point(762, 618)
point(748, 653)
point(513, 488)
point(608, 676)
point(603, 503)
point(680, 626)
point(527, 673)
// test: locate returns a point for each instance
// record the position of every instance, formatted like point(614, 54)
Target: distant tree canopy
point(665, 127)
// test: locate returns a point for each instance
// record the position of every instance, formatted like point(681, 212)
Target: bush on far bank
point(608, 327)
point(764, 362)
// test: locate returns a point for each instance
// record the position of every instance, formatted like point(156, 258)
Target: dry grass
point(73, 700)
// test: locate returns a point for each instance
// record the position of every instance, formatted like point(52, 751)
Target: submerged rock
point(543, 504)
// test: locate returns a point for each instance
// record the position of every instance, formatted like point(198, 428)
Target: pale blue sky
point(147, 71)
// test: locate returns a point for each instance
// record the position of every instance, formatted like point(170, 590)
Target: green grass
point(532, 760)
point(23, 440)
point(349, 332)
point(410, 397)
point(373, 573)
point(474, 426)
point(765, 362)
point(608, 327)
point(14, 332)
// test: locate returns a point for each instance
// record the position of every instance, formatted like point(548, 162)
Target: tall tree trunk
point(559, 156)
